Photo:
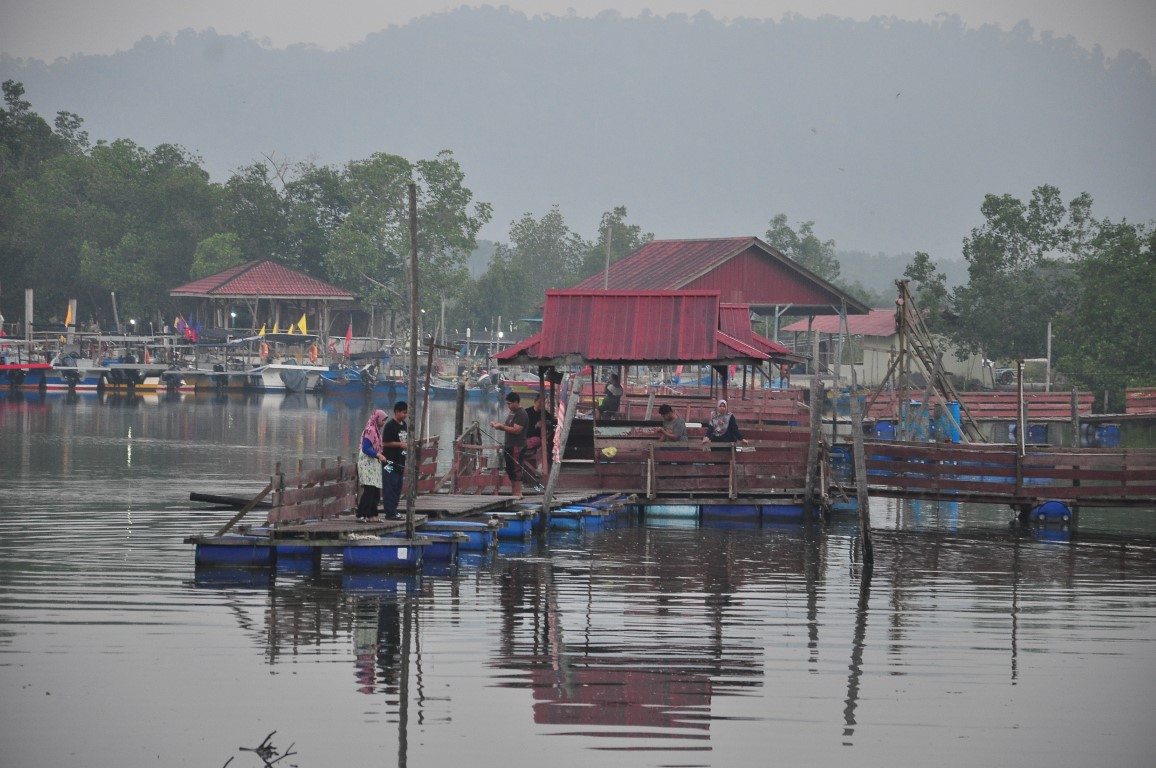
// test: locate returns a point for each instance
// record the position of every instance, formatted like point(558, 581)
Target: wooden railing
point(313, 494)
point(765, 407)
point(999, 406)
point(996, 473)
point(1140, 400)
point(329, 491)
point(773, 461)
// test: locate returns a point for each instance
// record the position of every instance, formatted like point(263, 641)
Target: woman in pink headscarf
point(369, 461)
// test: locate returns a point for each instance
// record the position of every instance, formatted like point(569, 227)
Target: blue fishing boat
point(361, 382)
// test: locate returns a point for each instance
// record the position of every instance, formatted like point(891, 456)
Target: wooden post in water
point(813, 452)
point(459, 410)
point(411, 435)
point(861, 493)
point(1075, 417)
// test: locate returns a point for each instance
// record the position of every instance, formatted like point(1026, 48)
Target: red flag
point(348, 339)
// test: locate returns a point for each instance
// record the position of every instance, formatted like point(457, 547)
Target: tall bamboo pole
point(411, 436)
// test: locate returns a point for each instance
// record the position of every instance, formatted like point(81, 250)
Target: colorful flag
point(275, 330)
point(301, 324)
point(348, 338)
point(262, 331)
point(68, 316)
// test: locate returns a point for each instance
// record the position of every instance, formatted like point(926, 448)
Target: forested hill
point(887, 134)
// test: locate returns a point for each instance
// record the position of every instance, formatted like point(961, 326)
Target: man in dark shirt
point(515, 428)
point(673, 428)
point(394, 441)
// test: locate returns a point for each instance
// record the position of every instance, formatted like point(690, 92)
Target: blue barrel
point(842, 466)
point(1108, 436)
point(1052, 512)
point(884, 429)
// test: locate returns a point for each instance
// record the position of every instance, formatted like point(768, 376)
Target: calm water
point(664, 644)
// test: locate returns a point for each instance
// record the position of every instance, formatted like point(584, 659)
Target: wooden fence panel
point(1140, 400)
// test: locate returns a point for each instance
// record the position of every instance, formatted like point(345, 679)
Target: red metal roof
point(743, 269)
point(264, 279)
point(735, 320)
point(632, 326)
point(878, 322)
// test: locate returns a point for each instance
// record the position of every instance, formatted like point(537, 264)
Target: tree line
point(81, 220)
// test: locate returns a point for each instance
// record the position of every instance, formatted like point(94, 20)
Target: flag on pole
point(262, 331)
point(68, 316)
point(348, 338)
point(301, 324)
point(275, 329)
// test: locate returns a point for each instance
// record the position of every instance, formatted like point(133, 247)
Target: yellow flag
point(301, 324)
point(68, 316)
point(262, 331)
point(275, 328)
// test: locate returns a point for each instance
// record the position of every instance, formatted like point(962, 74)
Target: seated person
point(611, 397)
point(673, 427)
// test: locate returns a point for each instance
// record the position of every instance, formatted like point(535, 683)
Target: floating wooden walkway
point(309, 515)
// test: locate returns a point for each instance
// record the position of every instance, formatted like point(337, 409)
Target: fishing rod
point(534, 475)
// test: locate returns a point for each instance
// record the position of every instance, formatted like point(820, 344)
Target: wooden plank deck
point(337, 529)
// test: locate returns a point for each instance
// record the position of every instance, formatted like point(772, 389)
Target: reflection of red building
point(611, 696)
point(618, 668)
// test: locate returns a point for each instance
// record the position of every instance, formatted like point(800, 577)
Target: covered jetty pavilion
point(624, 328)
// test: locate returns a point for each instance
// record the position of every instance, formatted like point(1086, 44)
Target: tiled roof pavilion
point(261, 279)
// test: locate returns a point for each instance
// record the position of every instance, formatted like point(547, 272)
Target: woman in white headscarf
point(722, 427)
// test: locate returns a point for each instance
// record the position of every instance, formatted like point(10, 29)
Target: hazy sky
point(47, 29)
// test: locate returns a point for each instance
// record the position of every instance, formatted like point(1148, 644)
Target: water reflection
point(696, 644)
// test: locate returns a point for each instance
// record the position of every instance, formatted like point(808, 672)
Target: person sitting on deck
point(611, 397)
point(673, 428)
point(722, 427)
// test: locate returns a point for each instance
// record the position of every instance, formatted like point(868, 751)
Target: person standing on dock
point(673, 429)
point(394, 439)
point(515, 428)
point(723, 427)
point(369, 461)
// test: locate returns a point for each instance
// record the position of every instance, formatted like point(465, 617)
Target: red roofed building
point(289, 294)
point(744, 270)
point(638, 327)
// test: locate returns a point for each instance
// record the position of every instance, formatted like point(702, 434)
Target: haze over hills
point(886, 134)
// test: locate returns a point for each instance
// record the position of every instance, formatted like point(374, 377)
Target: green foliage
point(624, 240)
point(253, 209)
point(804, 247)
point(368, 246)
point(1020, 269)
point(929, 288)
point(216, 253)
point(1106, 341)
point(543, 253)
